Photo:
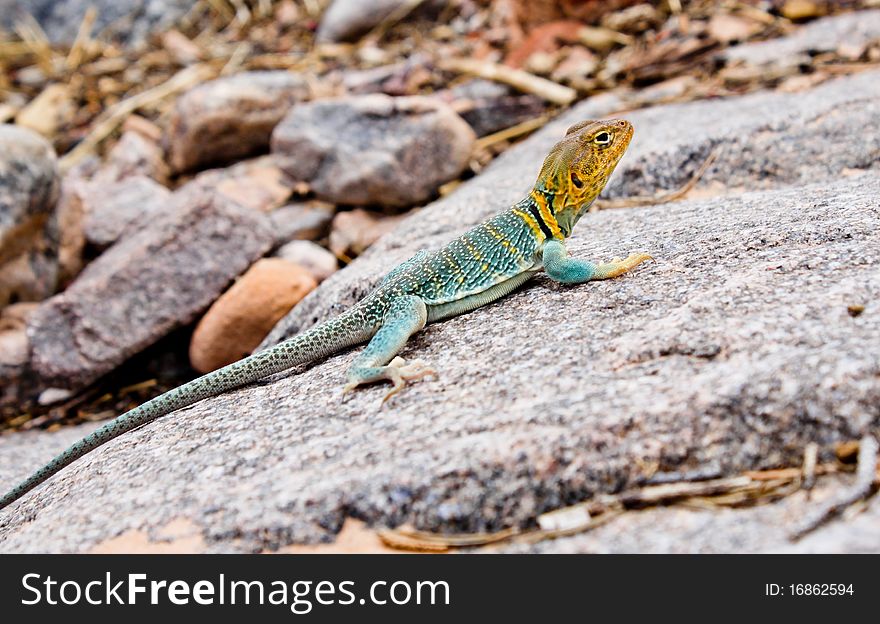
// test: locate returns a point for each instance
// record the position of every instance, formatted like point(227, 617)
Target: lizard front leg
point(567, 270)
point(377, 362)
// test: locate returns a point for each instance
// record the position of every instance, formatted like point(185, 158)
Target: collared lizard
point(478, 267)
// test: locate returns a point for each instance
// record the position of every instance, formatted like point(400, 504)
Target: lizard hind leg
point(379, 360)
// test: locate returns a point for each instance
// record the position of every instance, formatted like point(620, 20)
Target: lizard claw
point(400, 372)
point(346, 390)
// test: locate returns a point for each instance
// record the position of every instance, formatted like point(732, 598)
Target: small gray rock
point(258, 183)
point(491, 114)
point(134, 154)
point(319, 262)
point(230, 118)
point(157, 279)
point(309, 220)
point(28, 233)
point(374, 149)
point(346, 20)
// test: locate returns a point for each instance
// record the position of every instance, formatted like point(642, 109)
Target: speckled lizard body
point(482, 265)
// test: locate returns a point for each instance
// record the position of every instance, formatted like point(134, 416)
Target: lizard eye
point(603, 138)
point(576, 180)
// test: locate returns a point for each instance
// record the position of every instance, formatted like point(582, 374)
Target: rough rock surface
point(258, 183)
point(135, 155)
point(239, 320)
point(232, 116)
point(28, 233)
point(823, 35)
point(118, 210)
point(128, 21)
point(157, 279)
point(762, 140)
point(373, 149)
point(731, 352)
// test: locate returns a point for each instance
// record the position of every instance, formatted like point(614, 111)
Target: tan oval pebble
point(245, 313)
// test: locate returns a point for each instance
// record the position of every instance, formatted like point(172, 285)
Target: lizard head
point(578, 167)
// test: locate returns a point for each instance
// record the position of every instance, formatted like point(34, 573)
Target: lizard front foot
point(619, 267)
point(398, 371)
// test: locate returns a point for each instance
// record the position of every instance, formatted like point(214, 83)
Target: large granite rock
point(154, 280)
point(731, 352)
point(373, 149)
point(231, 117)
point(28, 231)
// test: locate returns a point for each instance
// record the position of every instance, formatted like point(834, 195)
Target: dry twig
point(516, 78)
point(866, 475)
point(811, 455)
point(108, 121)
point(513, 132)
point(749, 489)
point(78, 50)
point(629, 202)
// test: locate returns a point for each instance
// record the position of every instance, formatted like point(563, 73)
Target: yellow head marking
point(578, 167)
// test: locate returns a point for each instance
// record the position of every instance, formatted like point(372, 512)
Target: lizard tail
point(322, 340)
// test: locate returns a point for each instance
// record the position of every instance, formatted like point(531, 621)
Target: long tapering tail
point(322, 340)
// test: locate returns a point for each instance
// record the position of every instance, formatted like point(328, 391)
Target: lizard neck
point(566, 204)
point(569, 212)
point(539, 205)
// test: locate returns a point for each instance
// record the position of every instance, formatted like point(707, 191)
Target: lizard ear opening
point(576, 180)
